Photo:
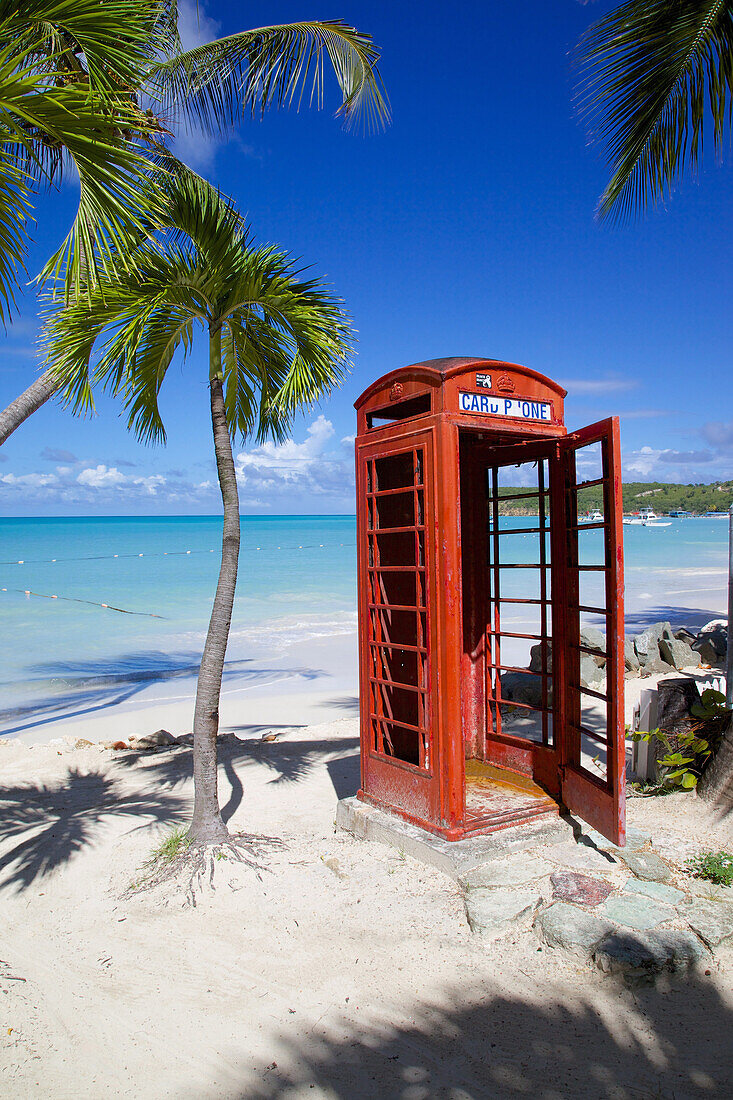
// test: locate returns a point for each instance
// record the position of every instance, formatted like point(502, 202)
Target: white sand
point(340, 970)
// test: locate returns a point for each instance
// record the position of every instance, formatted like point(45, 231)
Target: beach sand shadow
point(46, 825)
point(691, 617)
point(652, 1044)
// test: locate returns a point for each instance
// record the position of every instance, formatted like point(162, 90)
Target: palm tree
point(276, 343)
point(101, 84)
point(657, 76)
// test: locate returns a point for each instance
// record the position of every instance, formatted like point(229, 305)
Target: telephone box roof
point(434, 369)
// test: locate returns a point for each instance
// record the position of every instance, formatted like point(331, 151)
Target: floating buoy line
point(173, 553)
point(28, 592)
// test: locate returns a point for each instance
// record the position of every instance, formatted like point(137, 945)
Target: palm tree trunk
point(207, 826)
point(37, 394)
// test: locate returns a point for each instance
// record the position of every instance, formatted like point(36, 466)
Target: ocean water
point(297, 580)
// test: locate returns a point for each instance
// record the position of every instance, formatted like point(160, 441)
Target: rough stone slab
point(636, 911)
point(641, 956)
point(454, 858)
point(582, 857)
point(647, 643)
point(631, 661)
point(578, 888)
point(514, 871)
point(590, 672)
point(493, 912)
point(701, 888)
point(636, 839)
point(646, 865)
point(678, 654)
point(659, 891)
point(571, 929)
point(712, 920)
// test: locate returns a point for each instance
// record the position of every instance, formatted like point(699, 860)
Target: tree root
point(198, 862)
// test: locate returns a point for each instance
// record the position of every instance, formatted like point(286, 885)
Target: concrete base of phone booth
point(454, 858)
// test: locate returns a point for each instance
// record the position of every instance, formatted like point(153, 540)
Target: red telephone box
point(485, 699)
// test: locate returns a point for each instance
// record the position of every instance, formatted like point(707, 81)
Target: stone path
point(624, 911)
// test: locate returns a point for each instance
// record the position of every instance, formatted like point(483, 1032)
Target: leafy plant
point(716, 867)
point(175, 843)
point(687, 753)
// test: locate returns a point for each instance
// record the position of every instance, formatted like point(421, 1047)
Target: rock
point(708, 652)
point(159, 739)
point(82, 743)
point(493, 912)
point(571, 929)
point(660, 891)
point(637, 911)
point(631, 661)
point(636, 839)
point(185, 739)
point(640, 956)
point(712, 920)
point(582, 857)
point(535, 658)
point(595, 640)
point(116, 745)
point(646, 865)
point(590, 671)
point(684, 635)
point(647, 643)
point(513, 871)
point(578, 888)
point(522, 687)
point(701, 888)
point(714, 625)
point(678, 654)
point(656, 667)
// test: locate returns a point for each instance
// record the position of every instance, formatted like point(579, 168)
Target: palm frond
point(105, 45)
point(212, 84)
point(655, 75)
point(15, 210)
point(285, 340)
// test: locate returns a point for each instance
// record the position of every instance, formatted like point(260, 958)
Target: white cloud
point(597, 385)
point(307, 468)
point(31, 481)
point(194, 25)
point(668, 464)
point(101, 477)
point(718, 434)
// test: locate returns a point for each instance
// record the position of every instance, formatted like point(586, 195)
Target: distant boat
point(716, 515)
point(591, 517)
point(678, 513)
point(646, 518)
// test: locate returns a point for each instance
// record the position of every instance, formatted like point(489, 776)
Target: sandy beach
point(331, 967)
point(335, 968)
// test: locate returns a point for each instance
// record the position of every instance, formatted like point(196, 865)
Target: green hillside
point(658, 495)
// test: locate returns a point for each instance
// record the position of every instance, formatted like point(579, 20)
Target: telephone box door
point(592, 753)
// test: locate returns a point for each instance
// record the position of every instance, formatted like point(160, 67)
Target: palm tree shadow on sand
point(290, 761)
point(44, 826)
point(648, 1045)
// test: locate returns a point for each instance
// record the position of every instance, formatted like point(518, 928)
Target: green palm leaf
point(655, 77)
point(213, 84)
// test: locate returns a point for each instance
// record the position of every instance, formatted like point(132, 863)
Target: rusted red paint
point(430, 601)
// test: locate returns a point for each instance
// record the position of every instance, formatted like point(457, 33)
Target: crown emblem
point(396, 391)
point(504, 384)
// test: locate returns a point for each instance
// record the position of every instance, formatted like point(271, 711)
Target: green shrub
point(714, 866)
point(687, 753)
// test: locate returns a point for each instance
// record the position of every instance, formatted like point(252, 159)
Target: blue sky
point(466, 228)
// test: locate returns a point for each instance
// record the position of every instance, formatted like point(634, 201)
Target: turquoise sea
point(296, 581)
